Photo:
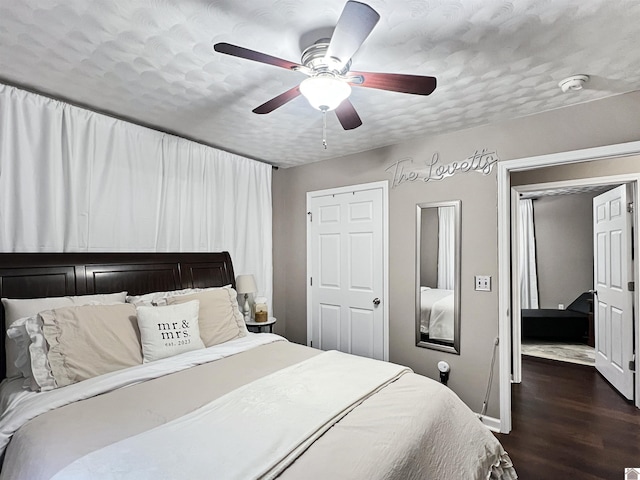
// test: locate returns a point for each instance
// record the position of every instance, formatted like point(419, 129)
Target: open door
point(613, 300)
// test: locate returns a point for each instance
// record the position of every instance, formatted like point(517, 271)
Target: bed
point(437, 313)
point(255, 406)
point(573, 324)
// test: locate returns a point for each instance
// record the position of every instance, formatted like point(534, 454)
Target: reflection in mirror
point(438, 276)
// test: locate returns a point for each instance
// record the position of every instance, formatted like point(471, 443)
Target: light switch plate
point(483, 283)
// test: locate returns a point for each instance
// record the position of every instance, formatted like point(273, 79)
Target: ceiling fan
point(327, 63)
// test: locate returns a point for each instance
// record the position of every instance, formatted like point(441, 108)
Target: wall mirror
point(438, 276)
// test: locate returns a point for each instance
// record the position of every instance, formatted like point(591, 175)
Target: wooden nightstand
point(259, 327)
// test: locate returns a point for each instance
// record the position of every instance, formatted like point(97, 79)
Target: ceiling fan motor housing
point(314, 57)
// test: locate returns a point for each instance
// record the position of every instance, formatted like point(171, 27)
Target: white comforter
point(291, 407)
point(391, 435)
point(21, 405)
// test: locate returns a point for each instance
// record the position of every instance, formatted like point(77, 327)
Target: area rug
point(564, 352)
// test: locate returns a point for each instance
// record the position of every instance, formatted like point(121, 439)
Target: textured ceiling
point(151, 61)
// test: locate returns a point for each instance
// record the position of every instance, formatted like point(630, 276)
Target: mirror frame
point(455, 348)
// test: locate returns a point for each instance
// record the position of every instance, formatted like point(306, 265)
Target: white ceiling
point(152, 62)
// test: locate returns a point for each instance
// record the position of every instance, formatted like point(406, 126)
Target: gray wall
point(564, 247)
point(604, 122)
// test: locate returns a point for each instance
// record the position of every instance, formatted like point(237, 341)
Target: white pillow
point(168, 331)
point(18, 333)
point(19, 308)
point(39, 376)
point(158, 299)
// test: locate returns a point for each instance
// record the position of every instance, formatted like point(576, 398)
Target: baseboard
point(491, 423)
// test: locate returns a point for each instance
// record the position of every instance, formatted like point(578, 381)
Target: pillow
point(38, 375)
point(168, 331)
point(219, 318)
point(18, 334)
point(85, 342)
point(16, 309)
point(160, 298)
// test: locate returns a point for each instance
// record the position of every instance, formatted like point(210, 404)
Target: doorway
point(627, 155)
point(554, 254)
point(347, 269)
point(584, 248)
point(611, 320)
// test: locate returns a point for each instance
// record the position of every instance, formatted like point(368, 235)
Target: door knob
point(376, 301)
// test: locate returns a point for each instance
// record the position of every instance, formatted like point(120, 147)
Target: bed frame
point(34, 275)
point(573, 324)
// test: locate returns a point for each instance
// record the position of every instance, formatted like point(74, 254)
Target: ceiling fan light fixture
point(325, 92)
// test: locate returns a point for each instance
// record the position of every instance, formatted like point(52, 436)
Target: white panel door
point(613, 302)
point(347, 272)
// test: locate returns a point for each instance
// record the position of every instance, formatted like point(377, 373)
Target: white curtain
point(72, 180)
point(527, 247)
point(446, 247)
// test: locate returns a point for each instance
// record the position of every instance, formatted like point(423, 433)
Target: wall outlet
point(483, 283)
point(561, 306)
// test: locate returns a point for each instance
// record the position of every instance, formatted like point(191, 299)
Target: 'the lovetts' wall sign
point(406, 170)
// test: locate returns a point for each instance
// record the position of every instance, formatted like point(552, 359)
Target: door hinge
point(310, 216)
point(630, 207)
point(311, 343)
point(632, 364)
point(311, 281)
point(631, 286)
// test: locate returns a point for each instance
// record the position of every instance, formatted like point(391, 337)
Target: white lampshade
point(246, 284)
point(325, 92)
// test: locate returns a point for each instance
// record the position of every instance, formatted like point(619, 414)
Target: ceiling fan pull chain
point(324, 128)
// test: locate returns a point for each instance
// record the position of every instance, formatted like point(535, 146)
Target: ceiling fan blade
point(354, 25)
point(395, 82)
point(278, 101)
point(347, 115)
point(242, 52)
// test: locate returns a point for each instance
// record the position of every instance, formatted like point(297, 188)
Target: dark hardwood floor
point(569, 423)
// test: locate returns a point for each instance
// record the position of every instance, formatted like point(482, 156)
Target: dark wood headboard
point(34, 275)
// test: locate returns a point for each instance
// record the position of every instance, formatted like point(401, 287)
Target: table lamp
point(246, 284)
